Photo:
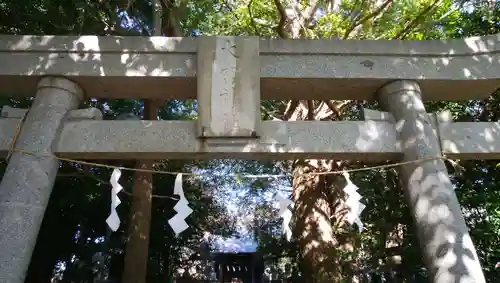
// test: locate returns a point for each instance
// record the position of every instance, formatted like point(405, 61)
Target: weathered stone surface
point(342, 140)
point(8, 129)
point(447, 247)
point(462, 140)
point(375, 115)
point(228, 87)
point(27, 184)
point(11, 112)
point(116, 67)
point(471, 140)
point(90, 113)
point(178, 139)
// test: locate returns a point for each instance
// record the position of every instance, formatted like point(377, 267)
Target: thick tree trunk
point(317, 198)
point(136, 254)
point(319, 208)
point(312, 198)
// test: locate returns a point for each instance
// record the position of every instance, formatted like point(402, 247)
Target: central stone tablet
point(228, 87)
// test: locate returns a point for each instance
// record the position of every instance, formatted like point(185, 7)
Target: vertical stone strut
point(449, 253)
point(228, 75)
point(28, 180)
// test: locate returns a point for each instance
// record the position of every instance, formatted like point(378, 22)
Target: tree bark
point(136, 253)
point(315, 202)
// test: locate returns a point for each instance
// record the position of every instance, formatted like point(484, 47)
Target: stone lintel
point(375, 115)
point(462, 140)
point(90, 113)
point(347, 140)
point(356, 140)
point(470, 140)
point(116, 67)
point(12, 112)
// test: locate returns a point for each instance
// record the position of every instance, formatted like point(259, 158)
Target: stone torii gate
point(229, 76)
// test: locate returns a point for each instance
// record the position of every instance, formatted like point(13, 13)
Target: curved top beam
point(165, 68)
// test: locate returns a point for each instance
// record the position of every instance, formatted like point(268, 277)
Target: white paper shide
point(113, 219)
point(354, 206)
point(286, 214)
point(178, 221)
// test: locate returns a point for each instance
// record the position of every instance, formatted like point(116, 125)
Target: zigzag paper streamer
point(353, 203)
point(178, 221)
point(113, 219)
point(286, 214)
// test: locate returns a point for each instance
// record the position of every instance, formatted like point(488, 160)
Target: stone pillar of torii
point(229, 76)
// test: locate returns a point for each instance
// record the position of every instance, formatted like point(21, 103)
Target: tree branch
point(268, 113)
point(350, 13)
point(440, 20)
point(308, 14)
point(376, 12)
point(157, 17)
point(403, 33)
point(301, 111)
point(169, 20)
point(323, 112)
point(252, 20)
point(338, 107)
point(310, 110)
point(280, 29)
point(290, 108)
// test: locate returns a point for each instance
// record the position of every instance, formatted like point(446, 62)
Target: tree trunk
point(317, 198)
point(136, 253)
point(313, 198)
